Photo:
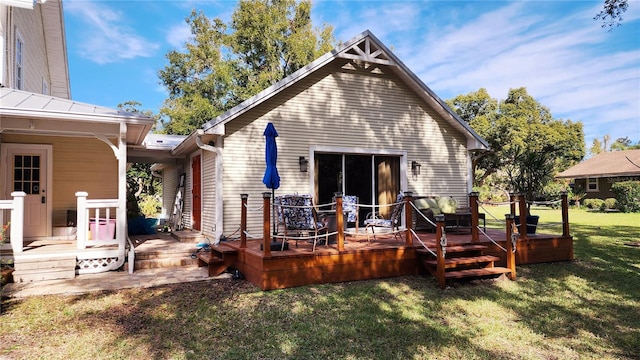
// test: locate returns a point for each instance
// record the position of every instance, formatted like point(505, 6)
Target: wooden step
point(163, 263)
point(215, 264)
point(454, 248)
point(455, 262)
point(476, 273)
point(465, 247)
point(188, 236)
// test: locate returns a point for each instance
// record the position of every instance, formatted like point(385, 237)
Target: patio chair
point(298, 216)
point(350, 208)
point(392, 223)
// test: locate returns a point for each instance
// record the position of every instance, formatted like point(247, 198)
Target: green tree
point(527, 144)
point(623, 143)
point(611, 13)
point(596, 147)
point(224, 64)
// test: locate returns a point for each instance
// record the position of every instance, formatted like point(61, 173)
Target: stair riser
point(43, 274)
point(160, 256)
point(163, 263)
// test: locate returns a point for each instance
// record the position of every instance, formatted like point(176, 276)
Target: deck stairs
point(464, 261)
point(178, 249)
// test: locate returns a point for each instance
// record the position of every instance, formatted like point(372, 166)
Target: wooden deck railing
point(16, 228)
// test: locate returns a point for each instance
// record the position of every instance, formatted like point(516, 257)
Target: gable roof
point(363, 47)
point(62, 116)
point(606, 164)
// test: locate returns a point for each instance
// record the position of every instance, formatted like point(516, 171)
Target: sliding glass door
point(374, 179)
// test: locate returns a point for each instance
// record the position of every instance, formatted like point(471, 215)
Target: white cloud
point(106, 38)
point(178, 35)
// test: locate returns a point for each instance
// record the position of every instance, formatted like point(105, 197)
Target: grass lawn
point(585, 309)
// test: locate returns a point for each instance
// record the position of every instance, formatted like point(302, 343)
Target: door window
point(26, 174)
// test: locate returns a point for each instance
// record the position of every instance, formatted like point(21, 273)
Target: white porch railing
point(99, 224)
point(16, 207)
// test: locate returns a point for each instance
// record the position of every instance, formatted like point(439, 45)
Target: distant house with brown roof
point(595, 176)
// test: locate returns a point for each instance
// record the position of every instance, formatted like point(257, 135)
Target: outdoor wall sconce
point(415, 167)
point(304, 164)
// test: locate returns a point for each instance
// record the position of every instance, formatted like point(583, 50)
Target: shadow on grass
point(585, 308)
point(596, 294)
point(233, 320)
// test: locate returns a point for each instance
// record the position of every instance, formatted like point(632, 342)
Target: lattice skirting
point(97, 265)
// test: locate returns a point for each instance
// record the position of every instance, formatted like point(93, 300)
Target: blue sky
point(555, 49)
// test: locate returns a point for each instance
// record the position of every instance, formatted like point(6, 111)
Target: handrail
point(413, 232)
point(491, 239)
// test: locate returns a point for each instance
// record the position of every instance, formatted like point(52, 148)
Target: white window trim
point(19, 65)
point(589, 189)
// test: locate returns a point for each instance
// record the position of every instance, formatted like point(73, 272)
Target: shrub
point(594, 204)
point(149, 205)
point(627, 195)
point(609, 204)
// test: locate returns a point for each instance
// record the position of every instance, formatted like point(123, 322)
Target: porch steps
point(40, 268)
point(188, 236)
point(163, 252)
point(464, 261)
point(218, 258)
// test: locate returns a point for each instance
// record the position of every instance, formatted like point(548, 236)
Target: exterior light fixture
point(304, 164)
point(415, 167)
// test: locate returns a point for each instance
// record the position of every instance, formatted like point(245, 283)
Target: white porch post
point(81, 226)
point(121, 225)
point(17, 222)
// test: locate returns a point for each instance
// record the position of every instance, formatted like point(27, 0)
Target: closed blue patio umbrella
point(271, 178)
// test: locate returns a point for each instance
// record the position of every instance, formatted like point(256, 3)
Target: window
point(26, 173)
point(45, 87)
point(19, 72)
point(592, 184)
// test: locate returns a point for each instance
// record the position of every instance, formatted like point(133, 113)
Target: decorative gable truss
point(366, 55)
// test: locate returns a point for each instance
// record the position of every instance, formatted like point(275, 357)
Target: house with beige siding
point(62, 163)
point(355, 120)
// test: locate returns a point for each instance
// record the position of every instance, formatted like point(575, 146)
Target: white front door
point(28, 170)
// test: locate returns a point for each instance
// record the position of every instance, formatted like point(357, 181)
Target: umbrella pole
point(273, 213)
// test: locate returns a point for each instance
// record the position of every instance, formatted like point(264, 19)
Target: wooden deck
point(384, 257)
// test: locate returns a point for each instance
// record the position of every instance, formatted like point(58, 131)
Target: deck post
point(81, 226)
point(512, 203)
point(408, 217)
point(243, 221)
point(440, 252)
point(16, 230)
point(522, 202)
point(511, 247)
point(339, 221)
point(473, 203)
point(565, 214)
point(266, 223)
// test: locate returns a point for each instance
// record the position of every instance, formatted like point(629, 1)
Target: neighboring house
point(355, 120)
point(595, 175)
point(52, 149)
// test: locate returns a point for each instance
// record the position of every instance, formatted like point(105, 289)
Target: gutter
point(217, 151)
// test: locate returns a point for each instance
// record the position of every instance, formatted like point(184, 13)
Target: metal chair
point(350, 208)
point(392, 223)
point(298, 215)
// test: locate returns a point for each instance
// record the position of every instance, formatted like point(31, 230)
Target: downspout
point(219, 188)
